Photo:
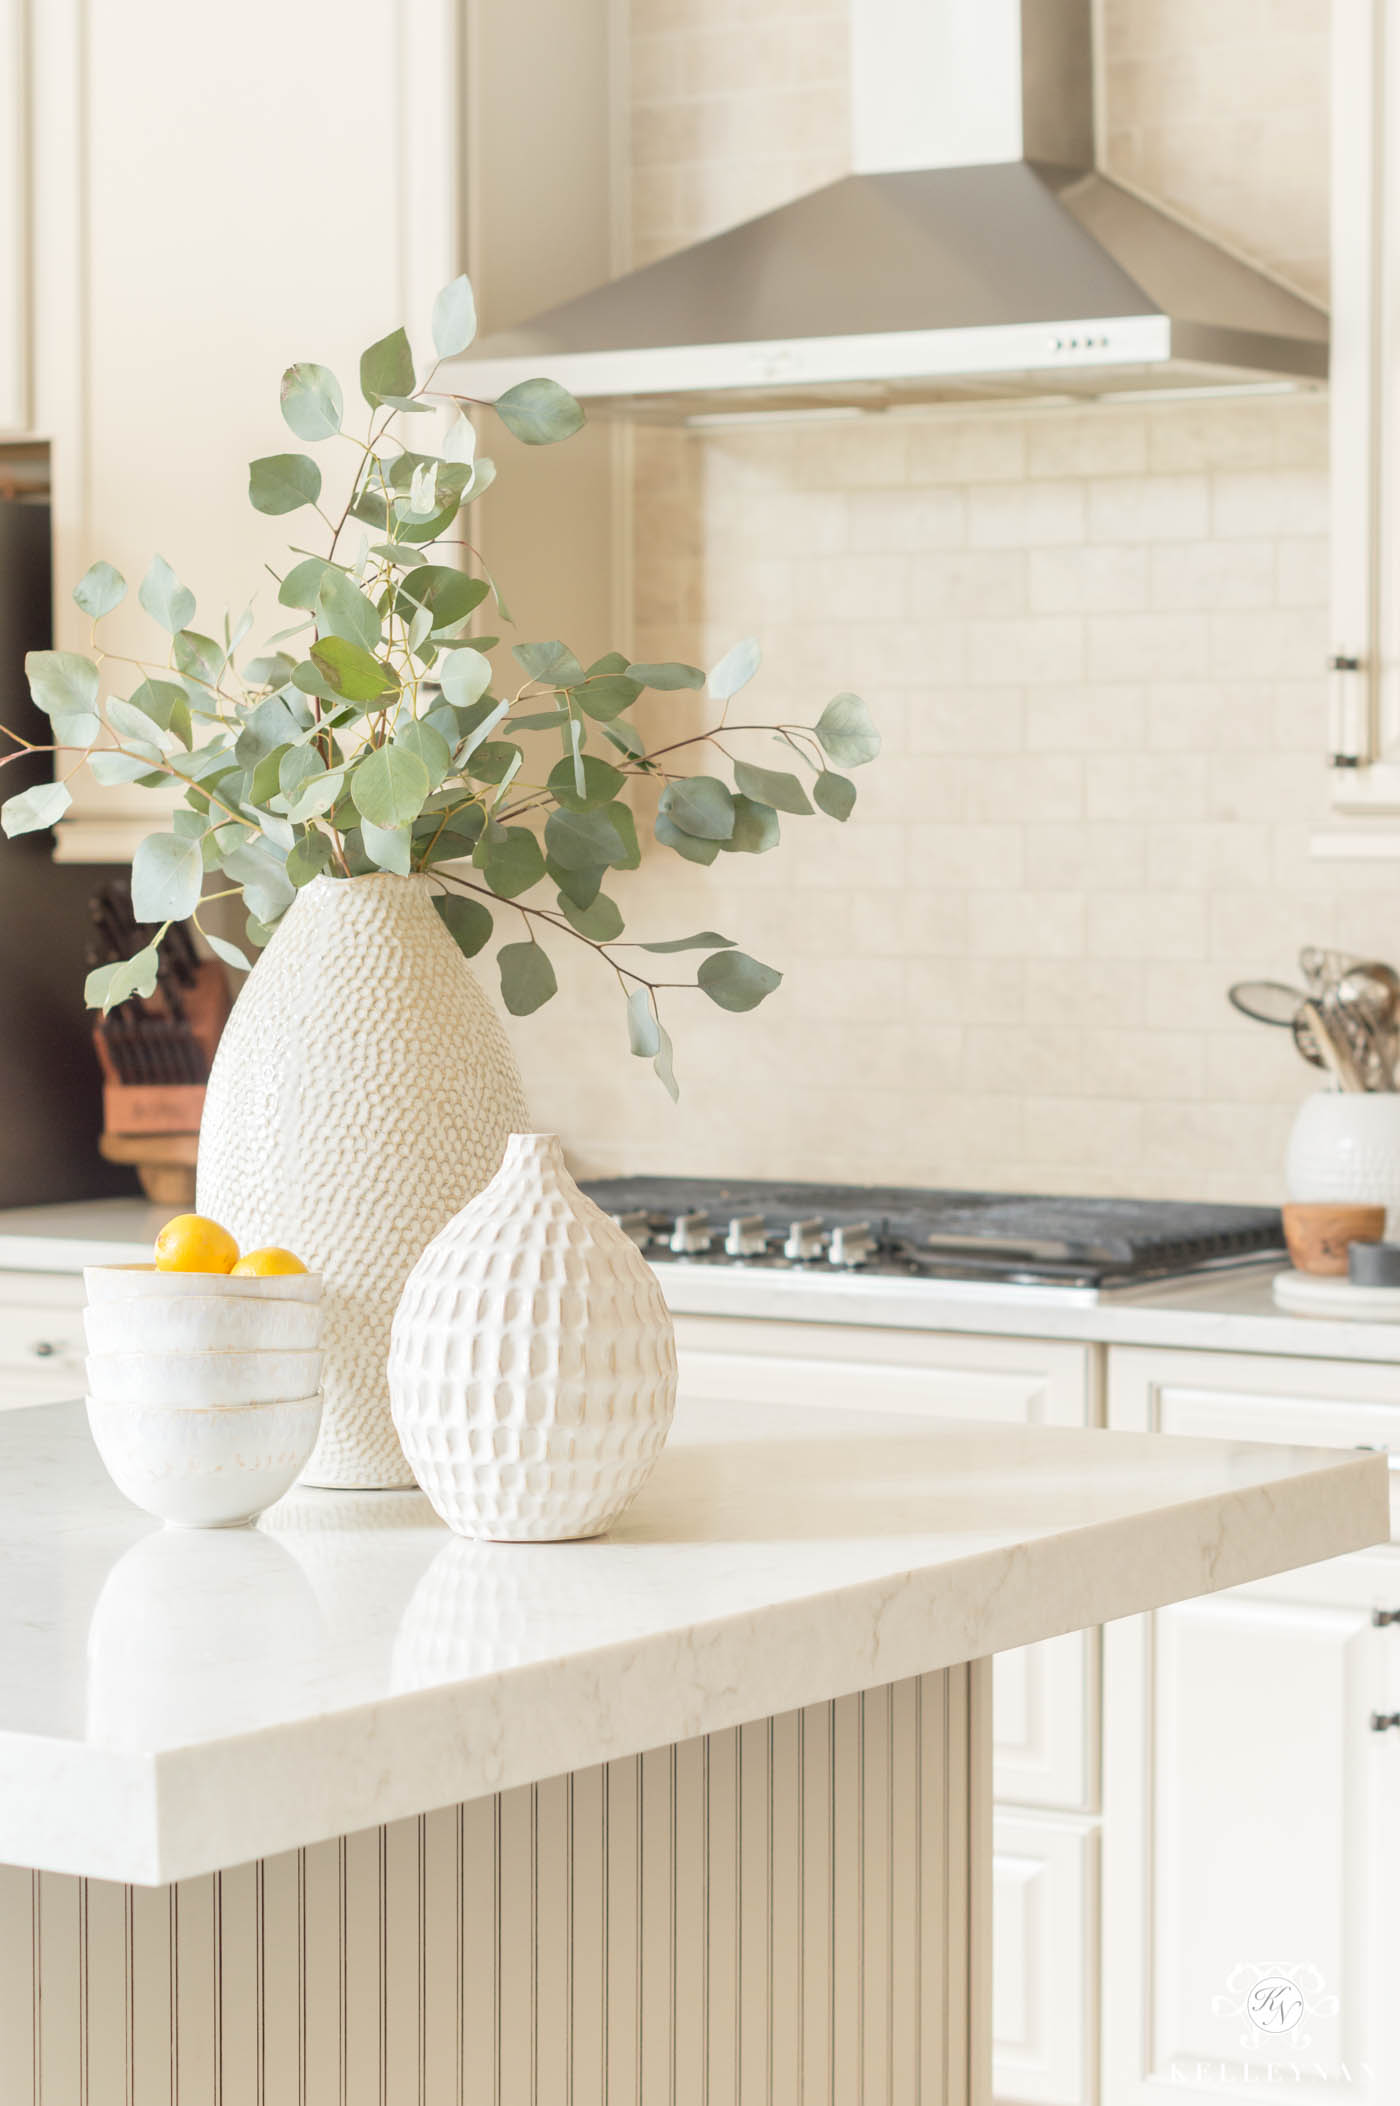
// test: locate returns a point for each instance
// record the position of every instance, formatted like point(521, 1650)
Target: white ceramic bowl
point(128, 1283)
point(214, 1467)
point(202, 1323)
point(192, 1380)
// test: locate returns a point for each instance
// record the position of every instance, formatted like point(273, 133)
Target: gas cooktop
point(1011, 1237)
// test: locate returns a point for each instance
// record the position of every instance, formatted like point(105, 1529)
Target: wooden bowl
point(1319, 1235)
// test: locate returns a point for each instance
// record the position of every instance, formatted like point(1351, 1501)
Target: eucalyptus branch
point(363, 752)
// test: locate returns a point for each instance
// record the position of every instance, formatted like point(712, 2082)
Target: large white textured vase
point(533, 1365)
point(363, 1089)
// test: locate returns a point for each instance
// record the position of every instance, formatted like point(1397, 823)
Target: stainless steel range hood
point(975, 252)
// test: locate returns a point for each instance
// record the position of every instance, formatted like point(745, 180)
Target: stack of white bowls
point(204, 1393)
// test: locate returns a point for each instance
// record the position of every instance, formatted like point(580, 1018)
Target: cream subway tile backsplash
point(1093, 640)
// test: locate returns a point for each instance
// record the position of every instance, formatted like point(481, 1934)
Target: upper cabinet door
point(214, 193)
point(1364, 714)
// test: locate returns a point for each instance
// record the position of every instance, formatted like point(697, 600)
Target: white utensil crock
point(1345, 1149)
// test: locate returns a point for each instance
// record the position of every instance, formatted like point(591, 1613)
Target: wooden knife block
point(155, 1125)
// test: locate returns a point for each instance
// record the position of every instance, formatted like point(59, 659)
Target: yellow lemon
point(259, 1264)
point(192, 1243)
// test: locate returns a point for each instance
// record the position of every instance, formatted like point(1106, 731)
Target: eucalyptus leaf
point(607, 696)
point(99, 590)
point(229, 952)
point(467, 921)
point(297, 766)
point(388, 847)
point(539, 412)
point(735, 980)
point(282, 482)
point(30, 811)
point(465, 676)
point(493, 760)
point(610, 662)
point(756, 828)
point(735, 669)
point(167, 876)
point(164, 598)
point(771, 786)
point(418, 736)
point(700, 805)
point(846, 731)
point(666, 676)
point(582, 840)
point(454, 318)
point(510, 864)
point(386, 370)
point(75, 727)
point(352, 671)
point(165, 704)
point(834, 794)
point(61, 680)
point(625, 827)
point(342, 610)
point(448, 595)
point(601, 921)
point(308, 858)
point(626, 738)
point(707, 940)
point(688, 845)
point(111, 768)
point(664, 1065)
point(316, 797)
point(198, 657)
point(459, 444)
point(299, 588)
point(108, 985)
point(389, 786)
point(601, 783)
point(553, 663)
point(312, 403)
point(580, 887)
point(527, 977)
point(129, 722)
point(643, 1032)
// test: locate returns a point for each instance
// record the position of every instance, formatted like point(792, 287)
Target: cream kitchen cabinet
point(1045, 1704)
point(41, 1337)
point(195, 198)
point(1251, 1807)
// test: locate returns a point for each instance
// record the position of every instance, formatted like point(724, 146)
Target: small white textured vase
point(533, 1364)
point(363, 1089)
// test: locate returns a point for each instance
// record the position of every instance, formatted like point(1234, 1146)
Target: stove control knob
point(747, 1238)
point(805, 1239)
point(691, 1234)
point(851, 1245)
point(637, 1225)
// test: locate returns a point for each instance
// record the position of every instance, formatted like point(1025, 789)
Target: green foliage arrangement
point(377, 733)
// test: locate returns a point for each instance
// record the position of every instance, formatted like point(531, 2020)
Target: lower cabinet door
point(1045, 1959)
point(1251, 1824)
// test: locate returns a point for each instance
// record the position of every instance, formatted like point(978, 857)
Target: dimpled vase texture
point(362, 1090)
point(533, 1365)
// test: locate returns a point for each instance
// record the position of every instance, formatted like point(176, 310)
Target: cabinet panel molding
point(1045, 1960)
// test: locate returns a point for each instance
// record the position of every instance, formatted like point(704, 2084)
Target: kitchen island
point(342, 1808)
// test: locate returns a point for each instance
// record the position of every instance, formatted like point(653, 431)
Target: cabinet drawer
point(1259, 1397)
point(853, 1367)
point(1045, 1960)
point(41, 1338)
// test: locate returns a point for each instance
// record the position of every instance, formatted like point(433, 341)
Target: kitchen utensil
point(1337, 1055)
point(1322, 969)
point(1371, 993)
point(1319, 1234)
point(1267, 1001)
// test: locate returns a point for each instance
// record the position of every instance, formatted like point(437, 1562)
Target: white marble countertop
point(1228, 1312)
point(172, 1702)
